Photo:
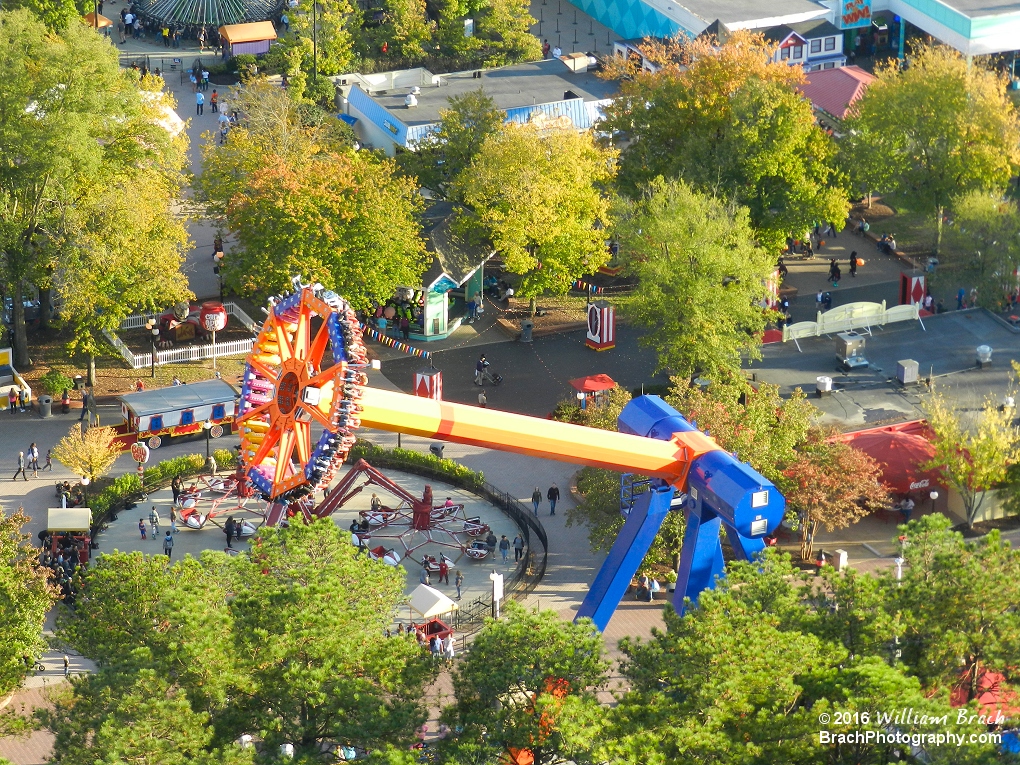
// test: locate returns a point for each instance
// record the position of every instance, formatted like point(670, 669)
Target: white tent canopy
point(68, 519)
point(430, 602)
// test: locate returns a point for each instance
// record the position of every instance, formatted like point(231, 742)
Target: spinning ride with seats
point(290, 382)
point(414, 522)
point(209, 496)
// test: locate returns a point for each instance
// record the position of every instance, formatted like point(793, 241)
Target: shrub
point(225, 458)
point(54, 382)
point(167, 469)
point(244, 64)
point(399, 458)
point(123, 487)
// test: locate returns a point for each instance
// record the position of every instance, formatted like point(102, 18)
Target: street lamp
point(85, 481)
point(208, 426)
point(153, 327)
point(933, 495)
point(582, 400)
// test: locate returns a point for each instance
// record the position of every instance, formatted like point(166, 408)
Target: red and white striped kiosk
point(601, 326)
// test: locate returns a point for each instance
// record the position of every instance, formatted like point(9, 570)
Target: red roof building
point(834, 91)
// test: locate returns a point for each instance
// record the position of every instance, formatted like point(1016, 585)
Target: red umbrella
point(593, 383)
point(900, 456)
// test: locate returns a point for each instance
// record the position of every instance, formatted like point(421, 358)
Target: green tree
point(25, 597)
point(955, 604)
point(528, 683)
point(701, 279)
point(124, 253)
point(338, 35)
point(344, 219)
point(973, 457)
point(505, 31)
point(283, 643)
point(933, 130)
point(849, 609)
point(726, 119)
point(406, 27)
point(55, 14)
point(75, 126)
point(986, 249)
point(538, 196)
point(442, 155)
point(135, 717)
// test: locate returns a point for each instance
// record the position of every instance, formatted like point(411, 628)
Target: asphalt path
point(535, 375)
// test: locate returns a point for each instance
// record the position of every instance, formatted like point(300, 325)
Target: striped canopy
point(213, 13)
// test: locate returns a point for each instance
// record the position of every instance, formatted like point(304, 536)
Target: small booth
point(429, 604)
point(97, 21)
point(601, 334)
point(454, 277)
point(70, 527)
point(593, 387)
point(179, 410)
point(254, 38)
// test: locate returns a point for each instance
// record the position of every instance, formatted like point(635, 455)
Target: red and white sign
point(428, 383)
point(139, 452)
point(912, 289)
point(213, 316)
point(601, 334)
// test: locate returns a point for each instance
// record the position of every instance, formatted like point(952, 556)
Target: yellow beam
point(549, 439)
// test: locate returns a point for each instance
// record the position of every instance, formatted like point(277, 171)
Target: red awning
point(993, 695)
point(899, 451)
point(593, 383)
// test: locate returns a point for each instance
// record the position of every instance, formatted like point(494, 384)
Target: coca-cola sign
point(922, 484)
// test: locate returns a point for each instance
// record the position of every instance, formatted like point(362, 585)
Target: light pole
point(153, 327)
point(315, 44)
point(582, 400)
point(933, 496)
point(85, 481)
point(207, 426)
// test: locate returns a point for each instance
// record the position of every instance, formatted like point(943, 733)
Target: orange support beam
point(548, 439)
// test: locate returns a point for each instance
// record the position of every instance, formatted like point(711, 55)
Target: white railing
point(122, 348)
point(233, 309)
point(180, 355)
point(851, 316)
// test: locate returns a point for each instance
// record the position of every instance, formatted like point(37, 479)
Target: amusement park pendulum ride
point(308, 366)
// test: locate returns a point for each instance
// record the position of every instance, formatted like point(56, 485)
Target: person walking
point(518, 547)
point(960, 295)
point(12, 399)
point(49, 460)
point(553, 495)
point(168, 544)
point(166, 36)
point(214, 103)
point(67, 666)
point(199, 102)
point(141, 527)
point(853, 264)
point(21, 467)
point(458, 582)
point(536, 499)
point(84, 406)
point(175, 488)
point(229, 528)
point(480, 366)
point(444, 570)
point(33, 459)
point(154, 520)
point(423, 577)
point(482, 400)
point(504, 549)
point(173, 519)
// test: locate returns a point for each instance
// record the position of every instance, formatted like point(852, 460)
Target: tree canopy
point(285, 644)
point(701, 278)
point(539, 197)
point(727, 120)
point(442, 155)
point(25, 597)
point(933, 130)
point(78, 131)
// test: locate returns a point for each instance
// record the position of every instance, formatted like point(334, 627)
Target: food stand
point(70, 524)
point(179, 410)
point(429, 603)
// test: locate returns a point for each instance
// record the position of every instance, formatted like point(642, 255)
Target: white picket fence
point(184, 353)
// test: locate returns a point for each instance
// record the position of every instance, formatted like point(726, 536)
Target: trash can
point(437, 450)
point(79, 382)
point(526, 327)
point(45, 406)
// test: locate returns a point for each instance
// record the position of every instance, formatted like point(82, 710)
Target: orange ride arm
point(535, 437)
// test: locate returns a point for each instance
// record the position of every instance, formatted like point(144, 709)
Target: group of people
point(646, 588)
point(31, 460)
point(154, 521)
point(17, 400)
point(553, 495)
point(132, 24)
point(62, 559)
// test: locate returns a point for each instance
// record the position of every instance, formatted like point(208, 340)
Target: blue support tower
point(720, 491)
